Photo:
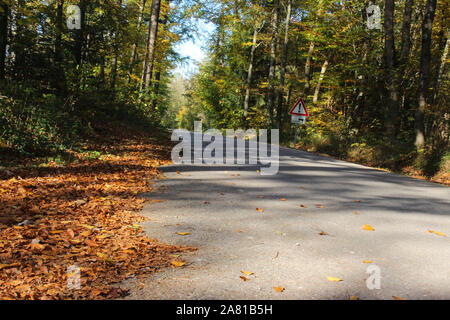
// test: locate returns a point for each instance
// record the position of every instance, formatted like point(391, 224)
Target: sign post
point(298, 116)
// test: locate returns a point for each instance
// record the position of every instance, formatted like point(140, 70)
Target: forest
point(377, 94)
point(89, 93)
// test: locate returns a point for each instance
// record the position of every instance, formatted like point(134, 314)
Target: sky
point(194, 49)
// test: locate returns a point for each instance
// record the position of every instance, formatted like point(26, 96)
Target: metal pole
point(296, 130)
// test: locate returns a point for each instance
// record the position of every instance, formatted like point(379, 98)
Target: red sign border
point(300, 101)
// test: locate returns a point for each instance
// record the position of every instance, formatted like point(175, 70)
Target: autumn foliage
point(85, 214)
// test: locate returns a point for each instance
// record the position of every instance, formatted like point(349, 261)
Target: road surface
point(296, 247)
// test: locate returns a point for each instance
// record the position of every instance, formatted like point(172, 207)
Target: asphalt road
point(296, 247)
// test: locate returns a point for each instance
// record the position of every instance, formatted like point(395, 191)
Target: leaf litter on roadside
point(82, 214)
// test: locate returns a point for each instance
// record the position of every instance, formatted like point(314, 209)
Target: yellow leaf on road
point(397, 298)
point(353, 298)
point(247, 273)
point(333, 279)
point(438, 233)
point(177, 263)
point(183, 233)
point(243, 278)
point(259, 209)
point(368, 227)
point(278, 289)
point(367, 261)
point(282, 199)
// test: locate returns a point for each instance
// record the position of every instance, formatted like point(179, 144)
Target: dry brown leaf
point(70, 233)
point(243, 278)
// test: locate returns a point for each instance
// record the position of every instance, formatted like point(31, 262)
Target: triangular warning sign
point(299, 109)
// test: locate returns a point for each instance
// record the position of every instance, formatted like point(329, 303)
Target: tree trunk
point(4, 16)
point(308, 68)
point(80, 37)
point(319, 83)
point(273, 47)
point(440, 70)
point(283, 62)
point(250, 73)
point(424, 78)
point(135, 45)
point(406, 32)
point(389, 55)
point(151, 40)
point(60, 84)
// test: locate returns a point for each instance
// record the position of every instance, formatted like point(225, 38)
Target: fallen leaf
point(319, 206)
point(70, 233)
point(367, 261)
point(333, 279)
point(177, 263)
point(260, 197)
point(438, 233)
point(259, 209)
point(36, 246)
point(323, 233)
point(303, 206)
point(397, 298)
point(247, 273)
point(357, 201)
point(178, 172)
point(243, 278)
point(183, 233)
point(206, 202)
point(278, 289)
point(355, 213)
point(368, 227)
point(282, 199)
point(353, 298)
point(12, 265)
point(90, 243)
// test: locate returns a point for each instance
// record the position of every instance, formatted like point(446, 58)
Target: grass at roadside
point(429, 164)
point(80, 209)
